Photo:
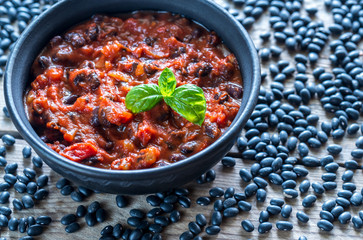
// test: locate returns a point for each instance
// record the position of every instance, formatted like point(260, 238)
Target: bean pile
point(278, 144)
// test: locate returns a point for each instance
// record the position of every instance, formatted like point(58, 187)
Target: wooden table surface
point(57, 205)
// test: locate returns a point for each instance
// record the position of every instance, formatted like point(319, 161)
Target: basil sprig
point(187, 100)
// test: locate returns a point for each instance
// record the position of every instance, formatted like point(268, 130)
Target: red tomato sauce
point(76, 101)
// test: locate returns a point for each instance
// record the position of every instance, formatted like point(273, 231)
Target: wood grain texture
point(57, 205)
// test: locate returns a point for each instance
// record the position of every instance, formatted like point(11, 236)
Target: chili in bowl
point(86, 113)
point(76, 102)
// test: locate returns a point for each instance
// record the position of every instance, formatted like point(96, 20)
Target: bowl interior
point(67, 13)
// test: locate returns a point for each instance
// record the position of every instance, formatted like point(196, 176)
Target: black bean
point(302, 217)
point(184, 201)
point(3, 161)
point(210, 175)
point(17, 204)
point(286, 211)
point(229, 202)
point(174, 216)
point(359, 142)
point(68, 219)
point(31, 188)
point(81, 211)
point(309, 200)
point(349, 186)
point(203, 201)
point(343, 202)
point(284, 225)
point(100, 215)
point(275, 179)
point(356, 199)
point(171, 199)
point(229, 192)
point(357, 153)
point(27, 152)
point(117, 230)
point(345, 194)
point(11, 168)
point(137, 213)
point(230, 212)
point(216, 218)
point(329, 185)
point(41, 194)
point(62, 182)
point(3, 221)
point(357, 222)
point(167, 207)
point(155, 228)
point(77, 196)
point(153, 200)
point(73, 227)
point(331, 167)
point(345, 217)
point(27, 201)
point(4, 197)
point(186, 236)
point(20, 187)
point(244, 206)
point(23, 178)
point(228, 162)
point(273, 209)
point(264, 227)
point(23, 224)
point(194, 228)
point(247, 225)
point(35, 230)
point(31, 220)
point(261, 195)
point(154, 212)
point(337, 211)
point(38, 162)
point(85, 191)
point(162, 220)
point(66, 190)
point(8, 140)
point(212, 230)
point(44, 220)
point(327, 216)
point(201, 220)
point(107, 230)
point(262, 183)
point(42, 181)
point(245, 175)
point(13, 224)
point(93, 207)
point(126, 234)
point(251, 189)
point(91, 219)
point(329, 205)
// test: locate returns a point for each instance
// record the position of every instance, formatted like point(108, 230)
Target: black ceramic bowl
point(68, 13)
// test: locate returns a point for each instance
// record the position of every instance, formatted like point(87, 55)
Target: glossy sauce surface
point(76, 102)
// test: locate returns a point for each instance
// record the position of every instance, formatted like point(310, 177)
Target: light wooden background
point(57, 205)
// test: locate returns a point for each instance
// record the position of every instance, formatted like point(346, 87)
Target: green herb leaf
point(167, 82)
point(188, 100)
point(143, 97)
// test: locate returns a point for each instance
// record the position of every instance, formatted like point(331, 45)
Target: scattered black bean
point(8, 140)
point(43, 220)
point(73, 227)
point(68, 219)
point(35, 230)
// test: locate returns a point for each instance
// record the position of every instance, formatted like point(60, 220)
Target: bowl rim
point(141, 174)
